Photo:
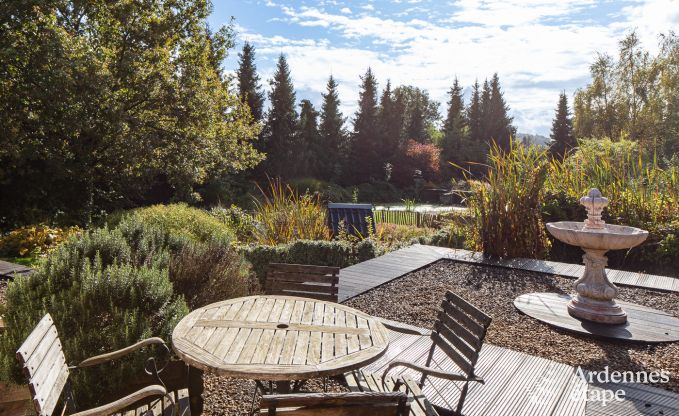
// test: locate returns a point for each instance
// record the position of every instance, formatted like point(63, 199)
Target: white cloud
point(535, 60)
point(345, 10)
point(368, 7)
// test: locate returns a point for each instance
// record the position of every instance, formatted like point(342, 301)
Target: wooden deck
point(364, 276)
point(520, 384)
point(8, 269)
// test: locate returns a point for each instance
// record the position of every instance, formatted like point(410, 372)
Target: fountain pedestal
point(595, 293)
point(595, 298)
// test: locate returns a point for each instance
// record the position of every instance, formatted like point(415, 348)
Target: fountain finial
point(594, 203)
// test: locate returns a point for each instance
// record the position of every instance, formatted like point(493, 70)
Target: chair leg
point(463, 396)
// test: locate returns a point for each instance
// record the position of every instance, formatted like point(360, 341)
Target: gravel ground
point(415, 299)
point(225, 396)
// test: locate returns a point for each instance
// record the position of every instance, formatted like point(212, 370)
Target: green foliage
point(180, 221)
point(365, 157)
point(327, 191)
point(378, 191)
point(33, 240)
point(307, 143)
point(321, 253)
point(238, 220)
point(641, 193)
point(332, 149)
point(249, 89)
point(283, 215)
point(105, 104)
point(635, 97)
point(562, 136)
point(99, 301)
point(507, 208)
point(281, 122)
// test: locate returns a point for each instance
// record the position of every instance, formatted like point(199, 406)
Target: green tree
point(485, 112)
point(249, 88)
point(474, 114)
point(562, 139)
point(390, 121)
point(332, 151)
point(498, 122)
point(634, 97)
point(309, 143)
point(454, 127)
point(102, 103)
point(279, 136)
point(419, 113)
point(365, 139)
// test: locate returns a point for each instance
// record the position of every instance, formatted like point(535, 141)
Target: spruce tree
point(454, 126)
point(474, 114)
point(249, 88)
point(390, 122)
point(562, 136)
point(308, 143)
point(416, 125)
point(332, 152)
point(365, 151)
point(281, 122)
point(498, 122)
point(485, 112)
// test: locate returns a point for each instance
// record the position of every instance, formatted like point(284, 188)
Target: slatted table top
point(279, 338)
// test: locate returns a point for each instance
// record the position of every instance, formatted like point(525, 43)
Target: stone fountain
point(595, 298)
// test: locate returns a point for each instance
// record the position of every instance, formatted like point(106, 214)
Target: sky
point(538, 47)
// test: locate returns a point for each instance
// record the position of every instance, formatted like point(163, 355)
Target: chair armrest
point(103, 358)
point(431, 372)
point(127, 401)
point(403, 328)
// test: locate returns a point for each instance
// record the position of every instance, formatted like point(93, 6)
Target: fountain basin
point(610, 237)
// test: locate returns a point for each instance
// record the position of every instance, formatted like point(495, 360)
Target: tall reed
point(507, 205)
point(283, 215)
point(641, 193)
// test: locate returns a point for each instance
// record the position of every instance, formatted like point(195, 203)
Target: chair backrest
point(459, 331)
point(353, 216)
point(317, 282)
point(44, 365)
point(337, 404)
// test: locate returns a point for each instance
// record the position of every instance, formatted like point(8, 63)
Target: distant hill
point(533, 138)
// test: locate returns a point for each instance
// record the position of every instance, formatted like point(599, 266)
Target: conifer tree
point(390, 122)
point(365, 151)
point(485, 112)
point(281, 122)
point(454, 126)
point(562, 136)
point(308, 143)
point(249, 88)
point(474, 114)
point(332, 135)
point(416, 125)
point(498, 122)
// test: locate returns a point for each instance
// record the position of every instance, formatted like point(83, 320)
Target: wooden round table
point(278, 338)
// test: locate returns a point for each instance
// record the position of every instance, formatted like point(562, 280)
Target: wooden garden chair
point(459, 332)
point(317, 282)
point(45, 367)
point(336, 404)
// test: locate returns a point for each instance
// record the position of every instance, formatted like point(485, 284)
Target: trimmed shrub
point(207, 273)
point(99, 304)
point(321, 253)
point(327, 191)
point(180, 221)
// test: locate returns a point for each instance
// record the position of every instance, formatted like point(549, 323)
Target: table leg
point(196, 391)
